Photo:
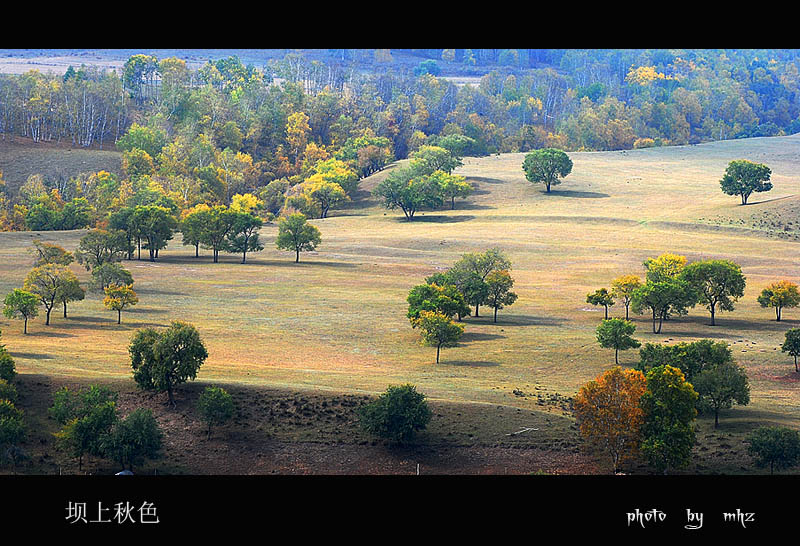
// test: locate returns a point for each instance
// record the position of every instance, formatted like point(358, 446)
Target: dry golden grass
point(336, 321)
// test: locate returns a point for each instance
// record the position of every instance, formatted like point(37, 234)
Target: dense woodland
point(202, 136)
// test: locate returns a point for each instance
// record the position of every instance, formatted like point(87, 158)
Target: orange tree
point(609, 414)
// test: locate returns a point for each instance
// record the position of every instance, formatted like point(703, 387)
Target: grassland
point(335, 323)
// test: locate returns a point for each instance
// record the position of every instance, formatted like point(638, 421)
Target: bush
point(8, 391)
point(7, 369)
point(215, 406)
point(397, 414)
point(776, 447)
point(12, 429)
point(134, 439)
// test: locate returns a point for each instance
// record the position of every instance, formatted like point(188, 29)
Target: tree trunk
point(244, 256)
point(47, 320)
point(65, 309)
point(716, 417)
point(197, 250)
point(438, 347)
point(626, 311)
point(616, 356)
point(297, 257)
point(606, 308)
point(495, 314)
point(476, 309)
point(712, 316)
point(795, 363)
point(778, 314)
point(25, 331)
point(119, 316)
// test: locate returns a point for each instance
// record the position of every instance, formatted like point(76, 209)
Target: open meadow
point(336, 321)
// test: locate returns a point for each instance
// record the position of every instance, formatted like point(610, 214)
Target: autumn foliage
point(608, 412)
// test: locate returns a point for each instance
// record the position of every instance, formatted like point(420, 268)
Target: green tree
point(192, 226)
point(718, 284)
point(445, 299)
point(623, 288)
point(19, 303)
point(669, 411)
point(601, 297)
point(47, 253)
point(438, 330)
point(156, 225)
point(162, 360)
point(218, 224)
point(779, 295)
point(546, 166)
point(86, 416)
point(743, 177)
point(100, 246)
point(12, 426)
point(776, 447)
point(662, 298)
point(46, 283)
point(409, 190)
point(70, 290)
point(791, 344)
point(216, 407)
point(109, 273)
point(7, 368)
point(691, 358)
point(296, 234)
point(134, 439)
point(244, 235)
point(429, 159)
point(720, 386)
point(499, 284)
point(616, 334)
point(397, 415)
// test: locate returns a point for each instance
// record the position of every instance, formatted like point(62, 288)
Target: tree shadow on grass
point(45, 333)
point(468, 363)
point(578, 194)
point(524, 320)
point(479, 336)
point(486, 179)
point(731, 327)
point(32, 356)
point(435, 218)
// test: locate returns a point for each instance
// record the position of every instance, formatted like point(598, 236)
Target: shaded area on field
point(578, 194)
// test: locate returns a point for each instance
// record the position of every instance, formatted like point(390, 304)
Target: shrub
point(397, 414)
point(7, 369)
point(215, 406)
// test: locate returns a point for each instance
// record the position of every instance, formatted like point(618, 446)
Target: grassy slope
point(336, 322)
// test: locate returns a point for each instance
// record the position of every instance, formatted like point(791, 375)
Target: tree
point(23, 304)
point(7, 368)
point(47, 253)
point(243, 236)
point(669, 411)
point(778, 447)
point(118, 297)
point(46, 283)
point(690, 358)
point(134, 439)
point(665, 267)
point(434, 158)
point(779, 295)
point(86, 416)
point(600, 297)
point(216, 407)
point(193, 224)
point(662, 298)
point(471, 270)
point(100, 246)
point(718, 283)
point(295, 233)
point(12, 426)
point(791, 344)
point(546, 166)
point(720, 386)
point(69, 290)
point(397, 414)
point(499, 284)
point(438, 330)
point(616, 334)
point(623, 288)
point(445, 299)
point(408, 189)
point(157, 225)
point(109, 273)
point(608, 412)
point(452, 186)
point(218, 224)
point(325, 194)
point(162, 360)
point(743, 177)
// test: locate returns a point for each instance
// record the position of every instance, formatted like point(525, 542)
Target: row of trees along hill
point(476, 279)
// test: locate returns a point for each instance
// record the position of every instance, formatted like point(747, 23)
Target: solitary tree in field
point(499, 284)
point(296, 234)
point(743, 177)
point(720, 386)
point(791, 344)
point(438, 330)
point(609, 414)
point(546, 166)
point(601, 297)
point(623, 288)
point(617, 334)
point(779, 295)
point(718, 283)
point(216, 407)
point(118, 297)
point(19, 303)
point(162, 360)
point(397, 415)
point(409, 189)
point(776, 447)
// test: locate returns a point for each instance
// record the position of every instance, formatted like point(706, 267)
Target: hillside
point(335, 323)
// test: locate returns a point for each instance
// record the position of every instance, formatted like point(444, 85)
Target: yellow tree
point(779, 295)
point(118, 297)
point(623, 288)
point(608, 412)
point(297, 130)
point(665, 267)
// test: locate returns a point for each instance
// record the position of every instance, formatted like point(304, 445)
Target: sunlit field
point(337, 322)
